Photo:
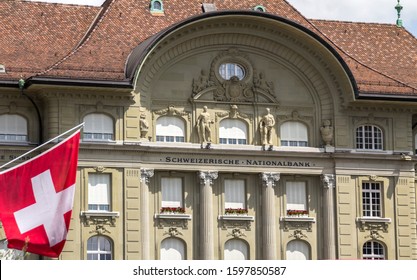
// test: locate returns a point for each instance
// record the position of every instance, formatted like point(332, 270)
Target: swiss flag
point(36, 199)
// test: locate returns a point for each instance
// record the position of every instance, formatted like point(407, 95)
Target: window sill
point(298, 219)
point(94, 214)
point(176, 216)
point(232, 217)
point(374, 220)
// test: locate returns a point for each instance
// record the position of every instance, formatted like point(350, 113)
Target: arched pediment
point(283, 61)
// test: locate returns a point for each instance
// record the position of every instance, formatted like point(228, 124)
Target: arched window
point(369, 137)
point(298, 250)
point(294, 134)
point(98, 127)
point(157, 6)
point(232, 131)
point(99, 248)
point(236, 249)
point(13, 128)
point(172, 249)
point(373, 250)
point(170, 129)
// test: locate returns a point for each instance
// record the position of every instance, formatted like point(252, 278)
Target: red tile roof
point(93, 43)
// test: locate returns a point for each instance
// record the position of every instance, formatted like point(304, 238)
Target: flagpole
point(40, 146)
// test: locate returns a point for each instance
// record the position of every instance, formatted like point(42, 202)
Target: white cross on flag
point(36, 199)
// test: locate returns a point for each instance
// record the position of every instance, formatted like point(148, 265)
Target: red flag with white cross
point(36, 199)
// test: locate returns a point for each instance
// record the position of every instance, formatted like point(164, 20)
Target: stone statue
point(262, 83)
point(144, 126)
point(265, 126)
point(203, 126)
point(327, 133)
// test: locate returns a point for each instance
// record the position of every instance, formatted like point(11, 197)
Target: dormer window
point(259, 8)
point(157, 7)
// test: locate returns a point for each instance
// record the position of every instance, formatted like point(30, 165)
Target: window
point(233, 132)
point(98, 127)
point(298, 250)
point(172, 194)
point(235, 249)
point(259, 8)
point(368, 137)
point(228, 70)
point(172, 249)
point(373, 250)
point(13, 128)
point(296, 198)
point(371, 199)
point(170, 129)
point(99, 186)
point(234, 196)
point(157, 6)
point(99, 248)
point(294, 134)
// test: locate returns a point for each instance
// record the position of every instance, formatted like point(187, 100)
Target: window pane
point(298, 250)
point(373, 250)
point(369, 137)
point(99, 192)
point(172, 249)
point(294, 134)
point(172, 193)
point(296, 195)
point(235, 249)
point(228, 70)
point(371, 199)
point(170, 129)
point(232, 132)
point(235, 194)
point(99, 248)
point(13, 128)
point(98, 127)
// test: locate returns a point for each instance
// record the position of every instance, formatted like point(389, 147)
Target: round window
point(228, 70)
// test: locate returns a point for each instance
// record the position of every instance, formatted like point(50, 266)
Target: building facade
point(231, 131)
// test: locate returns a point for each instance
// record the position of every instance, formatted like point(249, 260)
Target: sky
point(377, 11)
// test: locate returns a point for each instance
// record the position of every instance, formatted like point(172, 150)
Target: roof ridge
point(94, 25)
point(353, 22)
point(360, 62)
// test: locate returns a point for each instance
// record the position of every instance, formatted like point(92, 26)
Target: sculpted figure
point(327, 133)
point(144, 126)
point(265, 126)
point(203, 126)
point(202, 82)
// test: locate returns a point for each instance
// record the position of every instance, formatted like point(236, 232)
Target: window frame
point(165, 206)
point(98, 252)
point(236, 209)
point(156, 10)
point(109, 193)
point(24, 138)
point(372, 255)
point(362, 145)
point(230, 130)
point(180, 241)
point(160, 137)
point(374, 213)
point(103, 134)
point(293, 140)
point(308, 255)
point(293, 211)
point(245, 254)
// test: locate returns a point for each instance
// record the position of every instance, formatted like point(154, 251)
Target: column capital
point(270, 177)
point(207, 177)
point(328, 181)
point(146, 174)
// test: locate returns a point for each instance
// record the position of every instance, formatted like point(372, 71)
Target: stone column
point(206, 214)
point(269, 232)
point(329, 226)
point(145, 175)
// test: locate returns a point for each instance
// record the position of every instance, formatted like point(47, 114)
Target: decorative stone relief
point(327, 132)
point(233, 113)
point(236, 233)
point(207, 177)
point(173, 231)
point(328, 181)
point(270, 178)
point(171, 111)
point(99, 169)
point(172, 222)
point(298, 234)
point(252, 87)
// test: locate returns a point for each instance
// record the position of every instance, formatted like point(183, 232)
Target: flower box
point(235, 211)
point(172, 210)
point(297, 213)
